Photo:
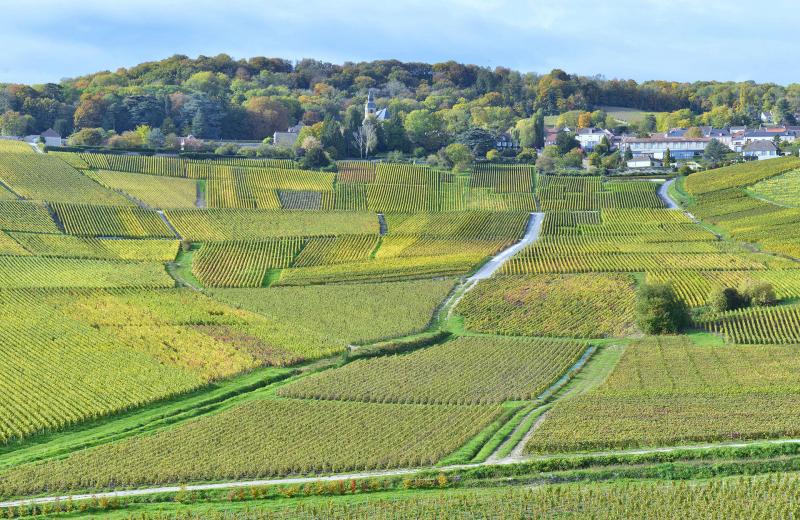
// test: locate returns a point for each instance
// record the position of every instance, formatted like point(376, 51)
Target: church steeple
point(370, 108)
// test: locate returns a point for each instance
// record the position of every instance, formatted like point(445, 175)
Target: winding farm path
point(236, 484)
point(663, 194)
point(532, 232)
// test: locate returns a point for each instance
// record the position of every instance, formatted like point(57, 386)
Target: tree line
point(430, 104)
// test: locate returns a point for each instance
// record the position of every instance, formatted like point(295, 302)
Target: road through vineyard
point(532, 232)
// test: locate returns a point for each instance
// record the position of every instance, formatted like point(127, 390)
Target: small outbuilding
point(644, 161)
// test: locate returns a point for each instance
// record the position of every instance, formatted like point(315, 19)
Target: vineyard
point(585, 193)
point(25, 216)
point(726, 202)
point(625, 241)
point(694, 287)
point(739, 497)
point(240, 339)
point(404, 188)
point(19, 272)
point(374, 311)
point(45, 178)
point(167, 166)
point(667, 391)
point(110, 221)
point(9, 246)
point(463, 371)
point(580, 306)
point(336, 250)
point(170, 321)
point(225, 224)
point(416, 246)
point(66, 246)
point(231, 187)
point(152, 191)
point(265, 438)
point(70, 370)
point(783, 189)
point(756, 325)
point(243, 264)
point(384, 269)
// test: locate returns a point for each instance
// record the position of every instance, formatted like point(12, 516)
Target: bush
point(725, 299)
point(659, 310)
point(315, 157)
point(758, 293)
point(88, 137)
point(459, 156)
point(395, 156)
point(527, 156)
point(227, 149)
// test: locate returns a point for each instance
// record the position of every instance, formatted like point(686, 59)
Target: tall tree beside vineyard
point(530, 132)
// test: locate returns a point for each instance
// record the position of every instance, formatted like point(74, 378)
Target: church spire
point(370, 108)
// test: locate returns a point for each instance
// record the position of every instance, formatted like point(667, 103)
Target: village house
point(722, 135)
point(589, 138)
point(760, 150)
point(551, 135)
point(288, 138)
point(50, 137)
point(784, 135)
point(505, 142)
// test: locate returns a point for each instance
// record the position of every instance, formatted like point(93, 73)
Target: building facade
point(679, 147)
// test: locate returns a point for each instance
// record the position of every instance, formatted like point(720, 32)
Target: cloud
point(643, 39)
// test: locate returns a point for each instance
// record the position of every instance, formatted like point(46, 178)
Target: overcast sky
point(682, 40)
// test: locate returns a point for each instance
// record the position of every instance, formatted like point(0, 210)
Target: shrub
point(395, 156)
point(459, 155)
point(527, 156)
point(659, 310)
point(758, 293)
point(87, 137)
point(725, 299)
point(315, 157)
point(227, 149)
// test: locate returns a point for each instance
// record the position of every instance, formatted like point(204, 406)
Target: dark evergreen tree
point(538, 128)
point(395, 135)
point(331, 137)
point(478, 140)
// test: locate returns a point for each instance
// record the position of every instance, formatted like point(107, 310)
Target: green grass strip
point(503, 433)
point(464, 454)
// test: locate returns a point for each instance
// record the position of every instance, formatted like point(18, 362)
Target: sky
point(680, 40)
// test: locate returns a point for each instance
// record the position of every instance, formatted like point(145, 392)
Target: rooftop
point(761, 146)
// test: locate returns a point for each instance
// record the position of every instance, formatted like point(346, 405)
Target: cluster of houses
point(648, 152)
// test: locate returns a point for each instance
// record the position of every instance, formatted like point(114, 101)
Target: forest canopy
point(221, 97)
